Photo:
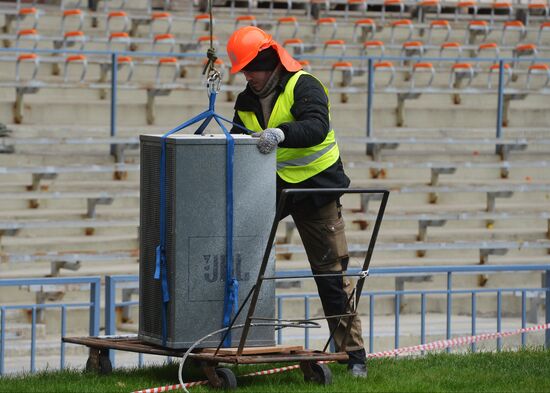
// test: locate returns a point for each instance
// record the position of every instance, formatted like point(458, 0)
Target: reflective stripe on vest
point(295, 165)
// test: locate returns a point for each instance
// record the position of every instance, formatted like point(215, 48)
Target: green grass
point(522, 371)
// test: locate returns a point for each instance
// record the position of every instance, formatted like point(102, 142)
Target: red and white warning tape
point(441, 344)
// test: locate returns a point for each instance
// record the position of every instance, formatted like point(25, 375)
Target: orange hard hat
point(246, 42)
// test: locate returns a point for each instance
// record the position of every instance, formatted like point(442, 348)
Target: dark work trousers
point(322, 232)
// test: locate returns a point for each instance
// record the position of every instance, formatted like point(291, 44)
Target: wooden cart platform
point(208, 359)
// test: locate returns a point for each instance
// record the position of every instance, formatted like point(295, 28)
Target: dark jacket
point(310, 128)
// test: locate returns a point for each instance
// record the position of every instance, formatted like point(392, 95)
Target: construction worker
point(288, 109)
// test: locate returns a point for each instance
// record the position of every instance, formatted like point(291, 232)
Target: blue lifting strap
point(231, 292)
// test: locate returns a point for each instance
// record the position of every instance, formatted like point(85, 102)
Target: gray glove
point(269, 139)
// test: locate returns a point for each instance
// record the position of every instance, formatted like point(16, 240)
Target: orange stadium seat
point(402, 24)
point(441, 24)
point(338, 46)
point(28, 12)
point(453, 47)
point(32, 58)
point(419, 69)
point(27, 35)
point(69, 17)
point(513, 26)
point(492, 78)
point(366, 27)
point(201, 18)
point(541, 71)
point(165, 62)
point(477, 28)
point(392, 4)
point(117, 21)
point(489, 49)
point(290, 21)
point(412, 48)
point(75, 59)
point(247, 20)
point(321, 23)
point(466, 6)
point(162, 19)
point(460, 72)
point(369, 48)
point(384, 67)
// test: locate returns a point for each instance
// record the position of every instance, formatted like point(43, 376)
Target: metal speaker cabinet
point(196, 236)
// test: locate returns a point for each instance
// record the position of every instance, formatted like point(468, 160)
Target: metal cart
point(311, 361)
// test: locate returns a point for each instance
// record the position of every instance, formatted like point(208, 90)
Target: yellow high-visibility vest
point(295, 165)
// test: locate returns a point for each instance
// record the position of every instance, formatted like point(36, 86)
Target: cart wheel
point(99, 363)
point(319, 373)
point(105, 366)
point(229, 381)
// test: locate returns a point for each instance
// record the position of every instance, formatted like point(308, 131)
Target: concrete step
point(81, 243)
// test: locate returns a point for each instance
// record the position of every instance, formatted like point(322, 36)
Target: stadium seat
point(420, 69)
point(373, 48)
point(477, 28)
point(360, 5)
point(204, 19)
point(117, 21)
point(159, 20)
point(450, 47)
point(338, 46)
point(296, 44)
point(119, 41)
point(402, 24)
point(31, 58)
point(75, 59)
point(27, 35)
point(282, 23)
point(459, 73)
point(465, 6)
point(381, 68)
point(68, 20)
point(164, 43)
point(525, 50)
point(442, 24)
point(363, 29)
point(164, 63)
point(513, 26)
point(538, 9)
point(537, 71)
point(392, 4)
point(489, 49)
point(499, 7)
point(247, 20)
point(72, 38)
point(320, 25)
point(346, 70)
point(427, 6)
point(128, 63)
point(27, 13)
point(412, 49)
point(492, 75)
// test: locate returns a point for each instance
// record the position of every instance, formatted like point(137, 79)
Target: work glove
point(269, 139)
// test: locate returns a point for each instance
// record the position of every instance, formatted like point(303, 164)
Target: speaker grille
point(150, 289)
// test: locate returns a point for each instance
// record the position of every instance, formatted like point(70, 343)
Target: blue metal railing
point(449, 292)
point(93, 305)
point(114, 282)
